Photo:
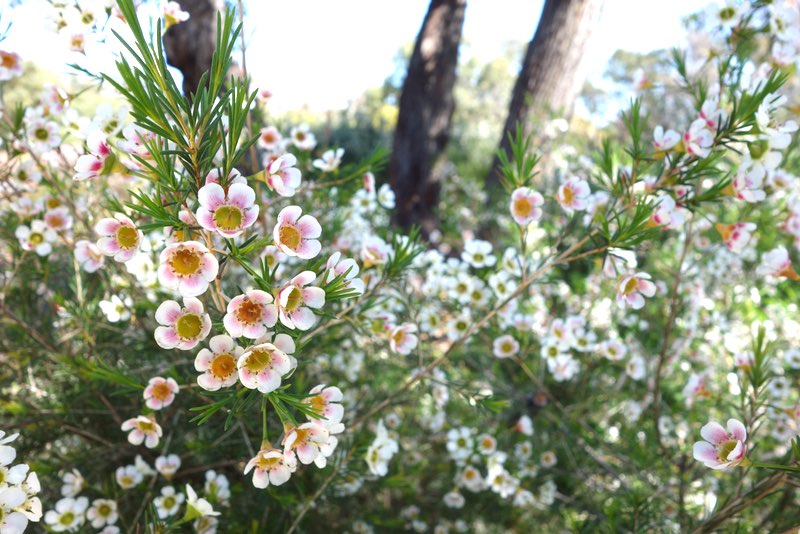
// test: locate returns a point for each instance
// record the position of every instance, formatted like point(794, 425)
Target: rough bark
point(554, 68)
point(190, 45)
point(425, 113)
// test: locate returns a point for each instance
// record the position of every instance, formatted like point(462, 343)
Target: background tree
point(425, 112)
point(554, 67)
point(190, 45)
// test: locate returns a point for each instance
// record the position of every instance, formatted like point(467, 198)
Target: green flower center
point(104, 510)
point(36, 238)
point(169, 502)
point(228, 218)
point(189, 326)
point(726, 448)
point(67, 519)
point(41, 134)
point(294, 300)
point(258, 360)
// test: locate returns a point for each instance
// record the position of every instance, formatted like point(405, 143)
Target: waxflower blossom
point(10, 65)
point(525, 205)
point(330, 160)
point(160, 392)
point(505, 346)
point(93, 164)
point(305, 441)
point(573, 194)
point(296, 299)
point(250, 314)
point(777, 263)
point(295, 235)
point(270, 466)
point(282, 176)
point(142, 429)
point(303, 138)
point(269, 138)
point(722, 449)
point(736, 236)
point(187, 267)
point(119, 237)
point(128, 476)
point(168, 465)
point(37, 237)
point(73, 483)
point(197, 507)
point(182, 327)
point(748, 186)
point(478, 253)
point(218, 363)
point(633, 288)
point(168, 503)
point(263, 366)
point(374, 251)
point(698, 139)
point(102, 512)
point(381, 451)
point(325, 401)
point(402, 339)
point(229, 212)
point(173, 14)
point(347, 267)
point(664, 140)
point(88, 256)
point(69, 514)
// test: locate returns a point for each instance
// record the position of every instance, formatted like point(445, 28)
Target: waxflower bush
point(210, 325)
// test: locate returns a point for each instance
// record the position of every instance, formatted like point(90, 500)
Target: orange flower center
point(249, 312)
point(523, 207)
point(185, 262)
point(161, 391)
point(223, 365)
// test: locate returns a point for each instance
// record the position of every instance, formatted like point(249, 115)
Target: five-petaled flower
point(633, 288)
point(218, 363)
point(143, 429)
point(119, 237)
point(722, 449)
point(295, 235)
point(160, 392)
point(227, 212)
point(182, 327)
point(271, 466)
point(296, 299)
point(250, 314)
point(187, 267)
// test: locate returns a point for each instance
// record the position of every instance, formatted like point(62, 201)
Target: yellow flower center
point(168, 502)
point(161, 391)
point(67, 519)
point(104, 510)
point(630, 286)
point(726, 448)
point(127, 237)
point(249, 312)
point(146, 426)
point(258, 360)
point(36, 238)
point(290, 236)
point(228, 217)
point(223, 365)
point(185, 262)
point(506, 346)
point(523, 207)
point(189, 326)
point(568, 195)
point(41, 134)
point(268, 462)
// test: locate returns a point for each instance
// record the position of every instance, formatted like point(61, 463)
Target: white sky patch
point(322, 55)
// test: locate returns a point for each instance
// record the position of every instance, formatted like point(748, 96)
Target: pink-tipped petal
point(714, 433)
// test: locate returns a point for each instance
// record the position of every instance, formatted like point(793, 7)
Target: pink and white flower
point(777, 263)
point(505, 346)
point(92, 164)
point(525, 205)
point(305, 441)
point(187, 267)
point(698, 139)
point(663, 141)
point(402, 339)
point(173, 14)
point(38, 237)
point(295, 235)
point(10, 65)
point(218, 363)
point(667, 213)
point(183, 327)
point(143, 429)
point(748, 186)
point(722, 450)
point(295, 301)
point(229, 212)
point(736, 236)
point(263, 366)
point(573, 194)
point(325, 401)
point(168, 465)
point(88, 256)
point(269, 138)
point(58, 219)
point(160, 392)
point(375, 251)
point(250, 314)
point(119, 237)
point(271, 466)
point(633, 288)
point(347, 267)
point(282, 175)
point(303, 138)
point(330, 160)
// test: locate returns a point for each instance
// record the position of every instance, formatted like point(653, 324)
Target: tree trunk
point(426, 109)
point(554, 68)
point(190, 45)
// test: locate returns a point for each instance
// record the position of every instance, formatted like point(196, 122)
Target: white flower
point(73, 483)
point(168, 465)
point(168, 503)
point(116, 309)
point(478, 253)
point(197, 507)
point(102, 512)
point(68, 515)
point(330, 160)
point(128, 476)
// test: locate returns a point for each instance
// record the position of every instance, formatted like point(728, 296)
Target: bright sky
point(323, 54)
